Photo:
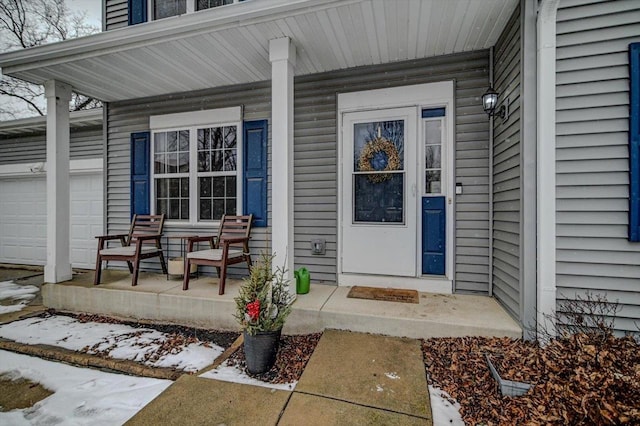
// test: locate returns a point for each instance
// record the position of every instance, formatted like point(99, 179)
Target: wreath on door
point(379, 155)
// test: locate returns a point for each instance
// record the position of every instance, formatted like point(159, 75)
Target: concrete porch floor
point(157, 299)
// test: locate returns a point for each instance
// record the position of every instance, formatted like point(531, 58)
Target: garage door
point(23, 220)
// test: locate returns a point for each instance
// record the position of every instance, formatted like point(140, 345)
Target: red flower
point(253, 309)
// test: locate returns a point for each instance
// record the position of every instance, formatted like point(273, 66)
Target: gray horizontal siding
point(116, 14)
point(85, 143)
point(315, 154)
point(127, 117)
point(592, 81)
point(506, 170)
point(472, 171)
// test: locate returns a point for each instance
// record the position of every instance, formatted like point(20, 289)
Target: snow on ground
point(21, 295)
point(82, 396)
point(231, 373)
point(114, 340)
point(443, 412)
point(85, 396)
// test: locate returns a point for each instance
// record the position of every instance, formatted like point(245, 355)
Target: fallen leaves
point(580, 379)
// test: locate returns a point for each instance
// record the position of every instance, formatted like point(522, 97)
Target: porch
point(158, 299)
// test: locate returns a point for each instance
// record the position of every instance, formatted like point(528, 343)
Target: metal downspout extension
point(491, 120)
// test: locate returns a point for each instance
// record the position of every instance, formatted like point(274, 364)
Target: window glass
point(207, 4)
point(166, 8)
point(218, 196)
point(217, 166)
point(378, 178)
point(433, 156)
point(172, 197)
point(216, 152)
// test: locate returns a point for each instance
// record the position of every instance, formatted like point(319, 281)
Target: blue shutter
point(140, 176)
point(634, 142)
point(433, 236)
point(254, 188)
point(137, 11)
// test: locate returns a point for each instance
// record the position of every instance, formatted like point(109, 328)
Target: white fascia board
point(39, 123)
point(195, 118)
point(87, 165)
point(149, 33)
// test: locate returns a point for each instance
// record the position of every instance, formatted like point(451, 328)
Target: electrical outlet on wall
point(318, 246)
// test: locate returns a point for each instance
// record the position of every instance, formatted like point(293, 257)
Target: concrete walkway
point(351, 378)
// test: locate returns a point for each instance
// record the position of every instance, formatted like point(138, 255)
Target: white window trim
point(192, 121)
point(195, 118)
point(191, 8)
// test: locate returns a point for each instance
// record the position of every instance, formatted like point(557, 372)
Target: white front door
point(379, 194)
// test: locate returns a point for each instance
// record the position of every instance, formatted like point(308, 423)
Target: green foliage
point(270, 290)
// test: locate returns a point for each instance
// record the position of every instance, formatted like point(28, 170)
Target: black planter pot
point(260, 350)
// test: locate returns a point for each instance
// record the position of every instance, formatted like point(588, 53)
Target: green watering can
point(303, 280)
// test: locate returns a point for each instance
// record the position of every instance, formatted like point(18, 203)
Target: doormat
point(384, 294)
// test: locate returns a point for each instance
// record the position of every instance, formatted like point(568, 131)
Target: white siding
point(115, 14)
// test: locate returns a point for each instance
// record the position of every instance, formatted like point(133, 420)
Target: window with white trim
point(196, 167)
point(166, 8)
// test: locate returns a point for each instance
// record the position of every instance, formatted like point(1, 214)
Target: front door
point(379, 194)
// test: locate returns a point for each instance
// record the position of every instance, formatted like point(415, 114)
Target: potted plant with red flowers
point(262, 307)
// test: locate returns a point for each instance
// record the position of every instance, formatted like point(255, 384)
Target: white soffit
point(230, 45)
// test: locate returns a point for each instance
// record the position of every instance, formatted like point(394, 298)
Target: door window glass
point(433, 156)
point(379, 172)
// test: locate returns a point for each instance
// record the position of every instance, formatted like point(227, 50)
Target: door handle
point(413, 190)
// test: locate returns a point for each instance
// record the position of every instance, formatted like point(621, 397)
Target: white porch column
point(282, 54)
point(58, 266)
point(546, 173)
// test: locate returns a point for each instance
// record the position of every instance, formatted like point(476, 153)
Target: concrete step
point(157, 299)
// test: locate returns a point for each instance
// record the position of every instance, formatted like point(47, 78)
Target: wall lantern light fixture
point(490, 104)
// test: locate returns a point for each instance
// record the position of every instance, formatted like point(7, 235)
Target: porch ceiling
point(230, 45)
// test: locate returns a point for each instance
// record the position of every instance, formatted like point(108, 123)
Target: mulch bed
point(581, 379)
point(293, 354)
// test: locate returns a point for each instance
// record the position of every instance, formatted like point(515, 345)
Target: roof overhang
point(230, 45)
point(77, 120)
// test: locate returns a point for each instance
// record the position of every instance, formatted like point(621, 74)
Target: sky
point(92, 7)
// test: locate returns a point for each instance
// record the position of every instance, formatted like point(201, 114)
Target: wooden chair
point(231, 246)
point(142, 242)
